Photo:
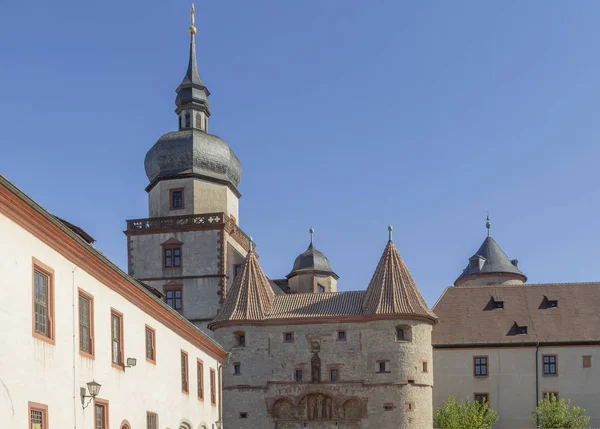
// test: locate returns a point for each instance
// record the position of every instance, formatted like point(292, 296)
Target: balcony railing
point(174, 222)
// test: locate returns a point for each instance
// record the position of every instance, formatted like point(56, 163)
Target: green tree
point(465, 415)
point(552, 413)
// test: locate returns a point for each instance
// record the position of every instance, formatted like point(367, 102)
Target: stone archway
point(283, 409)
point(353, 409)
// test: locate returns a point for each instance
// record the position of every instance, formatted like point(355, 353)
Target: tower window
point(288, 337)
point(172, 257)
point(320, 289)
point(176, 199)
point(383, 366)
point(240, 339)
point(341, 335)
point(333, 374)
point(180, 122)
point(298, 375)
point(188, 120)
point(237, 368)
point(174, 297)
point(399, 334)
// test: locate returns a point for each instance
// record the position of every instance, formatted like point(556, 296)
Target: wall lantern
point(131, 362)
point(93, 388)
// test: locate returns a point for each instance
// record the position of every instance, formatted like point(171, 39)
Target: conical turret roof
point(392, 289)
point(250, 297)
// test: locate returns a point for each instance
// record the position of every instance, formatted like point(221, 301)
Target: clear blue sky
point(346, 115)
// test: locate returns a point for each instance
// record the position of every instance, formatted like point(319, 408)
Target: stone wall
point(362, 397)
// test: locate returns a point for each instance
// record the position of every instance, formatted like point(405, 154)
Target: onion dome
point(251, 295)
point(192, 151)
point(392, 289)
point(311, 260)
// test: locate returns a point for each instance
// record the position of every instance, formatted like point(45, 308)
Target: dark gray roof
point(494, 261)
point(311, 260)
point(192, 90)
point(193, 151)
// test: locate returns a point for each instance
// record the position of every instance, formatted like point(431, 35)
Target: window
point(320, 289)
point(240, 339)
point(176, 198)
point(499, 305)
point(185, 388)
point(481, 397)
point(552, 303)
point(237, 368)
point(549, 395)
point(299, 375)
point(382, 365)
point(43, 302)
point(333, 374)
point(151, 420)
point(180, 122)
point(388, 406)
point(100, 414)
point(480, 366)
point(587, 361)
point(410, 380)
point(410, 406)
point(243, 415)
point(150, 344)
point(188, 120)
point(86, 324)
point(38, 416)
point(213, 391)
point(236, 269)
point(200, 379)
point(341, 335)
point(400, 334)
point(549, 364)
point(288, 337)
point(424, 366)
point(174, 296)
point(522, 330)
point(116, 333)
point(172, 257)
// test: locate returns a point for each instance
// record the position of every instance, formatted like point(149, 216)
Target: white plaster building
point(69, 317)
point(510, 343)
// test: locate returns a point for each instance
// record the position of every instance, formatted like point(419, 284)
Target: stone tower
point(329, 360)
point(189, 246)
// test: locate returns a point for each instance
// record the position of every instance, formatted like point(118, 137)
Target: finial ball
point(390, 228)
point(311, 230)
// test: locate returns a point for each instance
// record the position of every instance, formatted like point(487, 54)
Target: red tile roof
point(468, 318)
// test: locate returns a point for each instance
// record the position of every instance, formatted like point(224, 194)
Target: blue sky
point(346, 115)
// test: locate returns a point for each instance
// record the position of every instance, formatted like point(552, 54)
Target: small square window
point(333, 374)
point(243, 415)
point(388, 406)
point(424, 364)
point(410, 406)
point(237, 369)
point(410, 380)
point(342, 335)
point(552, 303)
point(499, 305)
point(382, 367)
point(550, 365)
point(288, 337)
point(587, 361)
point(481, 397)
point(298, 375)
point(522, 330)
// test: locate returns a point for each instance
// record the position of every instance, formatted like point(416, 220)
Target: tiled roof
point(467, 316)
point(392, 289)
point(299, 305)
point(251, 294)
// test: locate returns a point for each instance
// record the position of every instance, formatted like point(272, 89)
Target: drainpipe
point(537, 379)
point(74, 350)
point(220, 372)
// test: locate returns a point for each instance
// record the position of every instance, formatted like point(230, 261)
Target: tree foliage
point(552, 413)
point(464, 415)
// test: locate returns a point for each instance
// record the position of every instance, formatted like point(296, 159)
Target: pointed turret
point(251, 296)
point(490, 266)
point(392, 289)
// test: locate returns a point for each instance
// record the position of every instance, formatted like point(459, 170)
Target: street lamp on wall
point(131, 362)
point(93, 388)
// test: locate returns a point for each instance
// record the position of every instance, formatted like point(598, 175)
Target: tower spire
point(488, 224)
point(192, 95)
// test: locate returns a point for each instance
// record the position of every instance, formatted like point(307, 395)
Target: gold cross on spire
point(192, 12)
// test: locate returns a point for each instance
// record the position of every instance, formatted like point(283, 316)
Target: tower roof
point(392, 289)
point(490, 259)
point(251, 296)
point(311, 260)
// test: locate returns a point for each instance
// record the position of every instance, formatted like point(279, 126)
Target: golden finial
point(192, 12)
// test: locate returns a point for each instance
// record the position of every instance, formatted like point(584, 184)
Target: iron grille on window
point(37, 419)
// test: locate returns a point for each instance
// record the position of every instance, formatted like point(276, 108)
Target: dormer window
point(521, 330)
point(476, 262)
point(553, 303)
point(550, 302)
point(498, 305)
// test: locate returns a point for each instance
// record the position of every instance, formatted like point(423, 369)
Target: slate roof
point(311, 260)
point(392, 289)
point(467, 317)
point(250, 296)
point(495, 261)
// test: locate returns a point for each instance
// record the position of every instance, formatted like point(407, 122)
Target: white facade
point(51, 372)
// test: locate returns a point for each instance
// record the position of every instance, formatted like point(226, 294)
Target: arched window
point(188, 120)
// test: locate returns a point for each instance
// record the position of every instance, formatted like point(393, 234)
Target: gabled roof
point(392, 289)
point(467, 319)
point(494, 260)
point(251, 295)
